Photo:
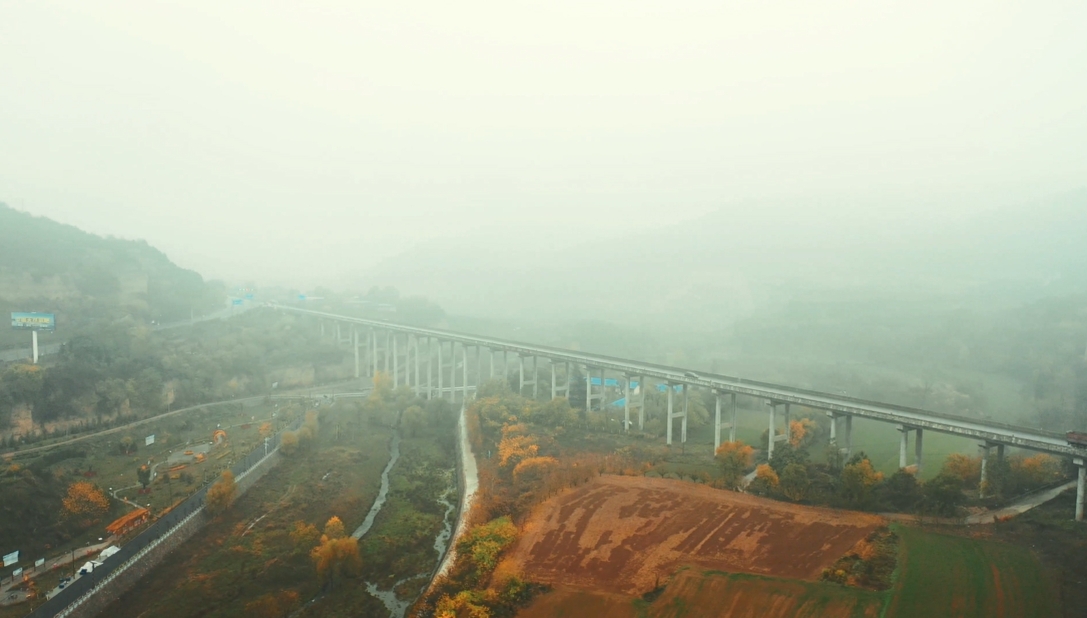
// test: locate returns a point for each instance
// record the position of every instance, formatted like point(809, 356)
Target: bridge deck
point(974, 428)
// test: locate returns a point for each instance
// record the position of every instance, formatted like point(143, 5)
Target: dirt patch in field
point(628, 534)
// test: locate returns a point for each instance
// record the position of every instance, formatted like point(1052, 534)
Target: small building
point(128, 522)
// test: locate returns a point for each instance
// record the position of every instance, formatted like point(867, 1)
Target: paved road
point(306, 392)
point(79, 555)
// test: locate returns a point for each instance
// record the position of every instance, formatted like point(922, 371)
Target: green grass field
point(944, 575)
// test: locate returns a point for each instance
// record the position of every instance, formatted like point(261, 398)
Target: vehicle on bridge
point(1076, 438)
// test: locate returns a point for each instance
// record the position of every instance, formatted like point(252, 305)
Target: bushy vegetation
point(126, 372)
point(88, 280)
point(870, 564)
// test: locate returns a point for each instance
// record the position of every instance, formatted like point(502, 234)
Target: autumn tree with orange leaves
point(735, 458)
point(85, 500)
point(222, 493)
point(337, 555)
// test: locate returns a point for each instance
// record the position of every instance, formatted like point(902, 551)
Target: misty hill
point(52, 267)
point(748, 256)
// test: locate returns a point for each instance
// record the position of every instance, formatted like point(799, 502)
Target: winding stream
point(382, 493)
point(450, 530)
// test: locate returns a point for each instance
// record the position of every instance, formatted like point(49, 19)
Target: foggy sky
point(295, 142)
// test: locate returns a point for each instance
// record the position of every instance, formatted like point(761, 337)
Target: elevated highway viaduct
point(403, 351)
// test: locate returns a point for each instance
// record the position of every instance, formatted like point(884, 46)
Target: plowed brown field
point(625, 534)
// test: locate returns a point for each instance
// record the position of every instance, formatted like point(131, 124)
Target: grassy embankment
point(247, 561)
point(247, 556)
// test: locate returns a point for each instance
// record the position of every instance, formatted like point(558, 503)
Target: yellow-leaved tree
point(85, 500)
point(337, 555)
point(735, 458)
point(222, 493)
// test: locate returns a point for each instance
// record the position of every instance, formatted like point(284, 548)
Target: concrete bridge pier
point(1081, 487)
point(718, 425)
point(479, 368)
point(984, 448)
point(903, 445)
point(683, 423)
point(441, 371)
point(385, 354)
point(847, 450)
point(464, 372)
point(418, 384)
point(355, 336)
point(396, 362)
point(554, 384)
point(492, 353)
point(535, 377)
point(452, 371)
point(641, 402)
point(668, 435)
point(917, 450)
point(626, 402)
point(773, 437)
point(788, 424)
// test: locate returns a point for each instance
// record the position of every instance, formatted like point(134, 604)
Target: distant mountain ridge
point(52, 267)
point(747, 256)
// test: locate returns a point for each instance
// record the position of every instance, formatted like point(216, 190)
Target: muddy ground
point(627, 534)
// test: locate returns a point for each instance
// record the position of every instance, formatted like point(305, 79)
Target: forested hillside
point(56, 268)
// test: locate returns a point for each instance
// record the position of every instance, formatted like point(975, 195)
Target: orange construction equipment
point(219, 436)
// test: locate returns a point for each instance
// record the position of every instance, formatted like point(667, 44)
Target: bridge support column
point(788, 426)
point(553, 383)
point(588, 388)
point(566, 389)
point(848, 436)
point(716, 421)
point(669, 434)
point(1081, 488)
point(396, 362)
point(452, 371)
point(388, 335)
point(491, 353)
point(535, 377)
point(464, 372)
point(355, 336)
point(917, 450)
point(520, 374)
point(984, 448)
point(479, 369)
point(683, 424)
point(772, 437)
point(418, 384)
point(371, 353)
point(441, 371)
point(626, 402)
point(641, 402)
point(732, 425)
point(903, 445)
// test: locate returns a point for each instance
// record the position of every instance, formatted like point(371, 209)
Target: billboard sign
point(12, 558)
point(39, 562)
point(236, 301)
point(33, 321)
point(17, 572)
point(149, 440)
